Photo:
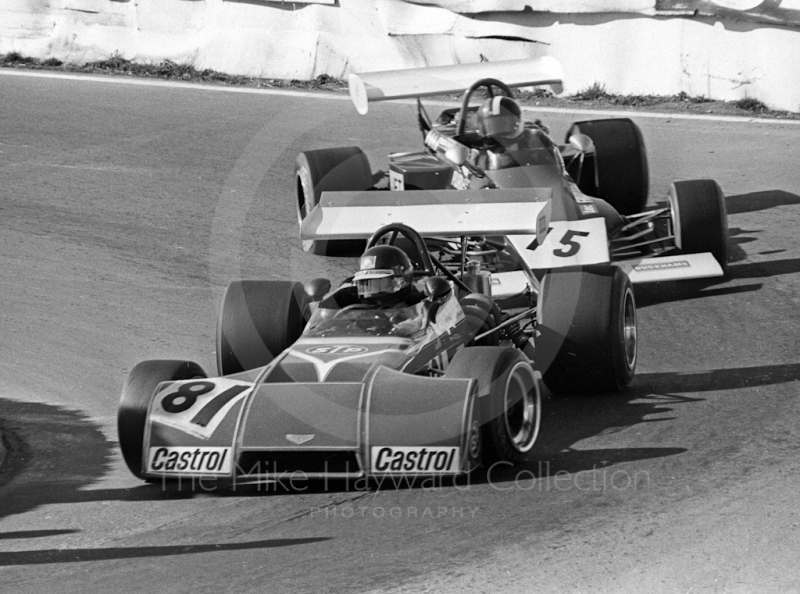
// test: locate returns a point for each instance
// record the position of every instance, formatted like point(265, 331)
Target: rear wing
point(449, 213)
point(421, 82)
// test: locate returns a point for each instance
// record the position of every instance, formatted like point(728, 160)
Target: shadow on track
point(755, 201)
point(49, 556)
point(571, 420)
point(24, 534)
point(667, 292)
point(53, 453)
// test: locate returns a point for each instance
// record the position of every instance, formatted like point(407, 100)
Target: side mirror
point(582, 143)
point(317, 288)
point(451, 149)
point(457, 154)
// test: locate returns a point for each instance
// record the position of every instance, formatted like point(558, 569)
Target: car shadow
point(666, 292)
point(754, 201)
point(649, 399)
point(53, 452)
point(49, 556)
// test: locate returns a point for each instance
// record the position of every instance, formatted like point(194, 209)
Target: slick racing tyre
point(510, 405)
point(618, 173)
point(136, 394)
point(257, 321)
point(700, 218)
point(587, 339)
point(329, 170)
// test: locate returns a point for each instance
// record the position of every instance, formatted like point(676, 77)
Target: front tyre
point(700, 218)
point(140, 385)
point(509, 400)
point(619, 172)
point(588, 337)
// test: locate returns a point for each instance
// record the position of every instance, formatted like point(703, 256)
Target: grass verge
point(594, 96)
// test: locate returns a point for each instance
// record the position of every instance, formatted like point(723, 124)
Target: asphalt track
point(125, 211)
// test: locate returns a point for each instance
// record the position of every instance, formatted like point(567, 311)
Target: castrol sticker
point(411, 460)
point(194, 460)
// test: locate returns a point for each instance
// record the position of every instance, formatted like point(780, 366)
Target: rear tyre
point(135, 401)
point(700, 218)
point(329, 170)
point(587, 338)
point(257, 321)
point(618, 173)
point(509, 400)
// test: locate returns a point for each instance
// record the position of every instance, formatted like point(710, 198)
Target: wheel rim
point(629, 332)
point(522, 407)
point(474, 444)
point(675, 216)
point(304, 187)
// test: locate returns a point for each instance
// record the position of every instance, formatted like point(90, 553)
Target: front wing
point(392, 424)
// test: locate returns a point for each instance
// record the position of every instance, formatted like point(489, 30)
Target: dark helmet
point(385, 271)
point(500, 117)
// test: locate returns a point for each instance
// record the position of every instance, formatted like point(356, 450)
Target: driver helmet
point(385, 274)
point(500, 117)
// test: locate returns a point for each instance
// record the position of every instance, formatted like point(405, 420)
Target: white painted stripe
point(321, 94)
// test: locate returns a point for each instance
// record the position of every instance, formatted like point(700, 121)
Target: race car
point(597, 181)
point(316, 382)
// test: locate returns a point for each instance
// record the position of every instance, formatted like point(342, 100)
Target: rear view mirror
point(449, 148)
point(317, 288)
point(436, 287)
point(582, 143)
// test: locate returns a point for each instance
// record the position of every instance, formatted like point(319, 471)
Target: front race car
point(359, 394)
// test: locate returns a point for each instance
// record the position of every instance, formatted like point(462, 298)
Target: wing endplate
point(367, 87)
point(357, 215)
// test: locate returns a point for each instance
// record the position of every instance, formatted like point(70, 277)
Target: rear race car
point(597, 181)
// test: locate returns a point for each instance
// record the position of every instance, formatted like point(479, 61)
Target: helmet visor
point(501, 125)
point(372, 286)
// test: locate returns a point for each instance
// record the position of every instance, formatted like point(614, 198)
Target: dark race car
point(313, 381)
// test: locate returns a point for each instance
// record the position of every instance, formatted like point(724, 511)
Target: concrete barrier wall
point(728, 49)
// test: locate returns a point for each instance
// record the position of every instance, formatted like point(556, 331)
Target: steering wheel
point(428, 260)
point(488, 83)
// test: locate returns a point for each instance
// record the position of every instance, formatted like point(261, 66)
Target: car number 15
point(569, 243)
